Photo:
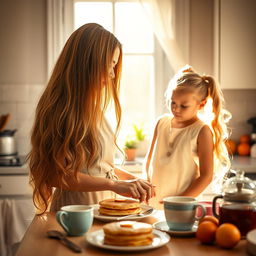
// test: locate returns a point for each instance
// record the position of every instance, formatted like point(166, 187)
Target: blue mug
point(180, 212)
point(76, 220)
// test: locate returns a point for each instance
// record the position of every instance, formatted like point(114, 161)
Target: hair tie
point(205, 79)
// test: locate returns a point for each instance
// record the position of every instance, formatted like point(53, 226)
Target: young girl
point(185, 150)
point(72, 144)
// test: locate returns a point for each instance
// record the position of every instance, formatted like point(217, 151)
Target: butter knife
point(147, 212)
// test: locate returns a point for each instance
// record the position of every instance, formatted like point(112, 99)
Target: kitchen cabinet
point(16, 207)
point(14, 181)
point(14, 185)
point(235, 50)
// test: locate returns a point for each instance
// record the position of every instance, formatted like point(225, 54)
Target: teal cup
point(181, 212)
point(76, 220)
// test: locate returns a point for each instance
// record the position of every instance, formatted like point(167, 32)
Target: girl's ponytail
point(221, 117)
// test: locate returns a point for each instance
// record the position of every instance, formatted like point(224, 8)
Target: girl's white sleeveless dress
point(103, 168)
point(175, 161)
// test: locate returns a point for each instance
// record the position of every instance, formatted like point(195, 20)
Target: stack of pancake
point(119, 207)
point(128, 233)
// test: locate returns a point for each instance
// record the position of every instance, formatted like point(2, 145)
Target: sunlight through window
point(96, 12)
point(126, 19)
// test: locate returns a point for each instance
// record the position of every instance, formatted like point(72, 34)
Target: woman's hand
point(138, 188)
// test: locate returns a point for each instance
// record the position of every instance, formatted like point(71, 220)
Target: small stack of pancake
point(128, 233)
point(119, 207)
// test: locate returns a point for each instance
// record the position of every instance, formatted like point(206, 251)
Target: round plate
point(96, 238)
point(106, 218)
point(162, 225)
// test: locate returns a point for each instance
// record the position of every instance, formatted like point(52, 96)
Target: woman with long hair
point(71, 160)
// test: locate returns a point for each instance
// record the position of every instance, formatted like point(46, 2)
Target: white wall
point(241, 103)
point(201, 35)
point(22, 63)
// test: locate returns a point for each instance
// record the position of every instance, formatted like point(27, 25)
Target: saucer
point(162, 225)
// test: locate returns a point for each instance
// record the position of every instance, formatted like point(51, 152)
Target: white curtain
point(161, 14)
point(59, 28)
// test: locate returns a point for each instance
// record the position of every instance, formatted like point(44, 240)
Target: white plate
point(96, 238)
point(162, 225)
point(106, 218)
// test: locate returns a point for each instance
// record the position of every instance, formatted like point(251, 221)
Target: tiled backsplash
point(21, 100)
point(242, 105)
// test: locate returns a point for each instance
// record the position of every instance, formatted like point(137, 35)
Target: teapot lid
point(239, 188)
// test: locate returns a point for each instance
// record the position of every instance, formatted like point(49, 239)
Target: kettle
point(238, 205)
point(7, 143)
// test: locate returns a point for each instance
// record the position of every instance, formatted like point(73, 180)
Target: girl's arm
point(205, 154)
point(149, 155)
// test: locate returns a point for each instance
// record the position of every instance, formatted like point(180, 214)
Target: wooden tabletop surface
point(35, 242)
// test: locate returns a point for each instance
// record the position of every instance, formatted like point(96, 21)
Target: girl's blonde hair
point(65, 137)
point(206, 88)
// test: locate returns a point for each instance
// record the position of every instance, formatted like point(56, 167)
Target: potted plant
point(130, 147)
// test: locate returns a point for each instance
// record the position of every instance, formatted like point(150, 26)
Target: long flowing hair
point(214, 113)
point(65, 137)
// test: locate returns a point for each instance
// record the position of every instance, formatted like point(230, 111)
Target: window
point(126, 19)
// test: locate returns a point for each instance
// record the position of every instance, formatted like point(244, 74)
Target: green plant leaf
point(130, 143)
point(139, 132)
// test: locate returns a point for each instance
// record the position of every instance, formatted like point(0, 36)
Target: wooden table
point(35, 242)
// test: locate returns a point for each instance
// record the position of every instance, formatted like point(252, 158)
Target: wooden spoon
point(1, 121)
point(4, 121)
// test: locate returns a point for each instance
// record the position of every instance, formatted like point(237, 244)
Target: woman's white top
point(174, 163)
point(103, 168)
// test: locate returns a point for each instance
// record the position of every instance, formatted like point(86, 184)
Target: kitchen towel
point(15, 217)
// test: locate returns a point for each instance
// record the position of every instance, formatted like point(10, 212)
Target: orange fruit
point(206, 232)
point(243, 149)
point(227, 235)
point(231, 146)
point(245, 138)
point(210, 218)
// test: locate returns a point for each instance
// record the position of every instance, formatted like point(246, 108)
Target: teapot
point(238, 203)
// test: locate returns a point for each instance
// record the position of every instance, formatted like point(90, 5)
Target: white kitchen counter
point(246, 164)
point(243, 163)
point(14, 170)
